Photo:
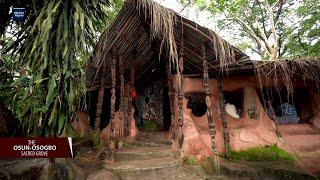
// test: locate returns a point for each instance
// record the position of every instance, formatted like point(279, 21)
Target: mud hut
point(154, 65)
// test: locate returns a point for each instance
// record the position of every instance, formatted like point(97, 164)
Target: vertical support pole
point(171, 99)
point(207, 90)
point(223, 113)
point(274, 117)
point(131, 84)
point(122, 119)
point(113, 103)
point(180, 92)
point(100, 98)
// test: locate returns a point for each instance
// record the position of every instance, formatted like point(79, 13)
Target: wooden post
point(100, 98)
point(131, 84)
point(180, 93)
point(122, 120)
point(113, 103)
point(274, 117)
point(171, 99)
point(207, 91)
point(223, 113)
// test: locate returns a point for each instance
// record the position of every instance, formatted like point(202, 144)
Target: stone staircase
point(146, 158)
point(143, 159)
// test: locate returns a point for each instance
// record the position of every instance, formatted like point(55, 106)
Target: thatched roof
point(285, 72)
point(147, 30)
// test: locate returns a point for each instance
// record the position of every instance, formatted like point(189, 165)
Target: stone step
point(148, 144)
point(143, 153)
point(156, 168)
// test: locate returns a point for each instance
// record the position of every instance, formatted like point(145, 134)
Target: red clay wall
point(244, 132)
point(316, 108)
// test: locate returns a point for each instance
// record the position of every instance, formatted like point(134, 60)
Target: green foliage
point(295, 32)
point(304, 36)
point(191, 161)
point(147, 126)
point(208, 165)
point(96, 140)
point(52, 47)
point(269, 153)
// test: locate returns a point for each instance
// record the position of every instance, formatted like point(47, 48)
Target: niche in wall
point(289, 109)
point(197, 103)
point(234, 102)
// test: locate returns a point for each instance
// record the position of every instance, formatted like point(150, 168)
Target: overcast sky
point(202, 18)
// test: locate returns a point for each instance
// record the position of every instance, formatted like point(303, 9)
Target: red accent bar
point(35, 148)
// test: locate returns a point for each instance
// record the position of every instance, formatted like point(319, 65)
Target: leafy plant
point(52, 47)
point(191, 161)
point(269, 28)
point(147, 126)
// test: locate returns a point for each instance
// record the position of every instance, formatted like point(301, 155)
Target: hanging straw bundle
point(285, 72)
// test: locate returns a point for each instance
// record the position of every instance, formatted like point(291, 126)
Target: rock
point(232, 111)
point(103, 174)
point(80, 123)
point(103, 154)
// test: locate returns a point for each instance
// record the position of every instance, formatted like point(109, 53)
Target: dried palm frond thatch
point(162, 21)
point(285, 73)
point(149, 29)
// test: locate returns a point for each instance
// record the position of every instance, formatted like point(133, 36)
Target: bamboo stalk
point(207, 90)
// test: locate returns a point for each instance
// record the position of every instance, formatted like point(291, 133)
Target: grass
point(92, 140)
point(268, 153)
point(208, 165)
point(191, 161)
point(97, 141)
point(148, 126)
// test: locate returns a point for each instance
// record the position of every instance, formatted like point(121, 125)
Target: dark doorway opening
point(289, 108)
point(197, 103)
point(166, 109)
point(92, 100)
point(152, 105)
